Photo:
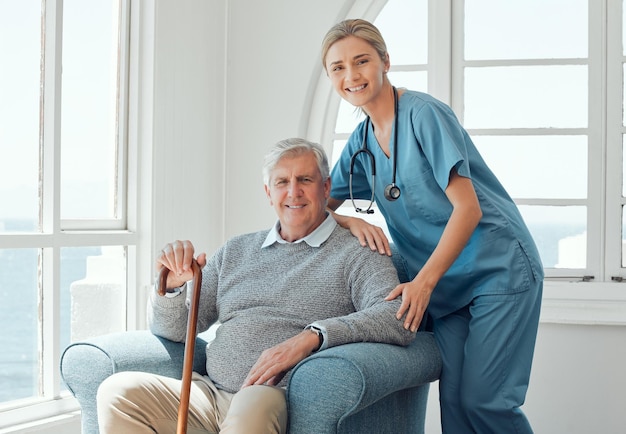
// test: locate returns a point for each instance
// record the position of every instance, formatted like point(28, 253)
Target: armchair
point(354, 388)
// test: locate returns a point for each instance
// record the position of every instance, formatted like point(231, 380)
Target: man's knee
point(257, 409)
point(112, 387)
point(121, 384)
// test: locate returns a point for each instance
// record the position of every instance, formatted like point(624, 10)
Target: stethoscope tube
point(392, 191)
point(366, 151)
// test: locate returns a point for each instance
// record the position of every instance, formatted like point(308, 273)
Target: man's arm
point(371, 278)
point(275, 362)
point(168, 315)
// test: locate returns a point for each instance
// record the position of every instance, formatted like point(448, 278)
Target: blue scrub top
point(500, 257)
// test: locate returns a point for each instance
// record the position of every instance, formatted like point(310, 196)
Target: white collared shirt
point(314, 239)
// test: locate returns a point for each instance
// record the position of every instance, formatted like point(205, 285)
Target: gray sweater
point(263, 296)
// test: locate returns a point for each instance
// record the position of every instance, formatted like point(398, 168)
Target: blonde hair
point(358, 28)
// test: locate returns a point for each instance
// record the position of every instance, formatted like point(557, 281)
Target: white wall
point(578, 380)
point(188, 124)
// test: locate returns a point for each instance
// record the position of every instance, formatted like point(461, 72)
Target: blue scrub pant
point(487, 349)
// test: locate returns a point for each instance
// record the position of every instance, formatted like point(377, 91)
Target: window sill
point(584, 303)
point(24, 418)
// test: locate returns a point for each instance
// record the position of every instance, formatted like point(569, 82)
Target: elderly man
point(279, 295)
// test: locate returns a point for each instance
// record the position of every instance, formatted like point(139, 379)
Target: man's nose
point(294, 189)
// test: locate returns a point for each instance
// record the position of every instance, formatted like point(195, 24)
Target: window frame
point(134, 188)
point(615, 131)
point(594, 189)
point(568, 298)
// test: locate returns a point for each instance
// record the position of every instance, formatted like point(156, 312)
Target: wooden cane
point(190, 342)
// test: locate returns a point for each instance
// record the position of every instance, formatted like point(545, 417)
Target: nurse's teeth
point(355, 89)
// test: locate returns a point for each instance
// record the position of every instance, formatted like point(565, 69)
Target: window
point(64, 234)
point(543, 103)
point(526, 100)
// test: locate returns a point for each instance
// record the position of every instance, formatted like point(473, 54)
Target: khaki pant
point(138, 402)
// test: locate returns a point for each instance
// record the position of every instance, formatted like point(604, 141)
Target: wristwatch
point(319, 334)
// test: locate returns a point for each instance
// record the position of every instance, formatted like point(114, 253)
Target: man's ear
point(267, 193)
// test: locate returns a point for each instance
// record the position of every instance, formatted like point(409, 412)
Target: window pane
point(19, 324)
point(404, 26)
point(338, 146)
point(413, 80)
point(348, 117)
point(526, 97)
point(89, 113)
point(19, 110)
point(560, 233)
point(94, 291)
point(557, 164)
point(525, 29)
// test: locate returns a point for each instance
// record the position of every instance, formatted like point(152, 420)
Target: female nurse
point(473, 263)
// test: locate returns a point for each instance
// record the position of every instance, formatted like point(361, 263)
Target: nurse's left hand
point(369, 235)
point(415, 298)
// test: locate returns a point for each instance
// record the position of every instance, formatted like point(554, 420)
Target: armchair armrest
point(328, 389)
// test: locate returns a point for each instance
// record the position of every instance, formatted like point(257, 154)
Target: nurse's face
point(298, 194)
point(356, 71)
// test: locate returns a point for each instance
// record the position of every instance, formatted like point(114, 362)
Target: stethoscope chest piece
point(392, 192)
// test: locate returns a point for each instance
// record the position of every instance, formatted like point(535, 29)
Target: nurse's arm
point(465, 216)
point(366, 233)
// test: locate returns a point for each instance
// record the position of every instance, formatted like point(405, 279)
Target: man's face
point(298, 193)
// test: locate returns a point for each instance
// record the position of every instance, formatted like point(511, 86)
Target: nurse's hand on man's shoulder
point(369, 235)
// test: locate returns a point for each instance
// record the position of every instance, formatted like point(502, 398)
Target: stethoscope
point(392, 191)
